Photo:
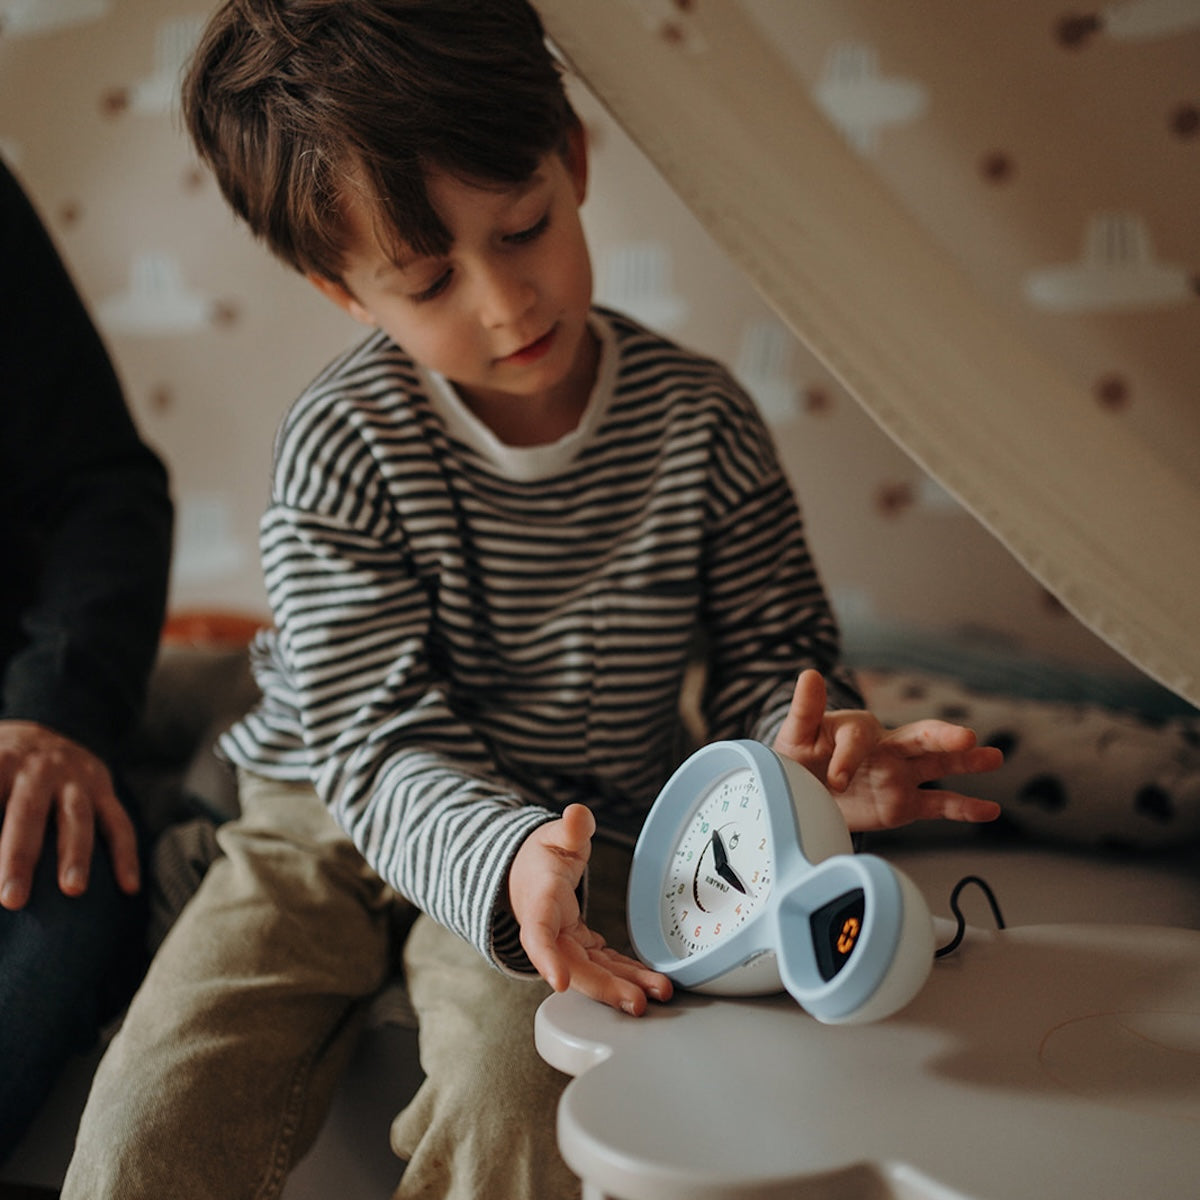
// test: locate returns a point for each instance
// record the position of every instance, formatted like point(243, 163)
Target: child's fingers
point(977, 760)
point(541, 943)
point(926, 767)
point(801, 727)
point(611, 978)
point(853, 741)
point(953, 806)
point(574, 833)
point(653, 983)
point(931, 736)
point(594, 981)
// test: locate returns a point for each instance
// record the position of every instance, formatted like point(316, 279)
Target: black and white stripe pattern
point(459, 655)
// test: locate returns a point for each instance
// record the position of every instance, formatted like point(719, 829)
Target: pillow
point(1075, 773)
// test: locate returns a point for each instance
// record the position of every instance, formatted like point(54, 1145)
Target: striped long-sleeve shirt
point(471, 636)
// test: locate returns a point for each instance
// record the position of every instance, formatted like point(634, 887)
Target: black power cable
point(952, 944)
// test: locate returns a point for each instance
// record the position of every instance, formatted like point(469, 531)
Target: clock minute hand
point(721, 862)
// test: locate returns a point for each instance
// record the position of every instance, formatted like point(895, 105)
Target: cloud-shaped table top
point(1055, 1060)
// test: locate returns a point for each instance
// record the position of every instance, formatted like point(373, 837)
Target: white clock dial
point(720, 871)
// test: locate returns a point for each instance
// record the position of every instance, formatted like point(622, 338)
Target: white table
point(1052, 1061)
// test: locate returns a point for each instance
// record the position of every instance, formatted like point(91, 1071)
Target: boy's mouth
point(533, 351)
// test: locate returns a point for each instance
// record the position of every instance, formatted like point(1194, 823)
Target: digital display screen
point(836, 928)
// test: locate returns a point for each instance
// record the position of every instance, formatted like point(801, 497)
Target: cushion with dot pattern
point(1073, 772)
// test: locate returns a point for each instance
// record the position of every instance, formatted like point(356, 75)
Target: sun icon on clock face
point(720, 871)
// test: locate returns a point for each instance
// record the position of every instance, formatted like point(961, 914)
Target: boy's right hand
point(543, 887)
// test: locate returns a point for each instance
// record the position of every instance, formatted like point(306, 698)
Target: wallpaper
point(1054, 151)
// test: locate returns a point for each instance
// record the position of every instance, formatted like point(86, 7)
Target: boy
point(495, 527)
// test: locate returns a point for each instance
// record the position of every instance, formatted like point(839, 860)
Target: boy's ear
point(577, 160)
point(342, 297)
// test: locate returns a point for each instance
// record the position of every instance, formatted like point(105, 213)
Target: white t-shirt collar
point(528, 463)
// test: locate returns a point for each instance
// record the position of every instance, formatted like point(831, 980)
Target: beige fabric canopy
point(1102, 522)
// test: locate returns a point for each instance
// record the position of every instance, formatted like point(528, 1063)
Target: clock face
point(720, 871)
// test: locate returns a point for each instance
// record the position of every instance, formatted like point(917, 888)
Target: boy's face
point(503, 315)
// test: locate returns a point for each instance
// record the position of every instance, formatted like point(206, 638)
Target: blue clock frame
point(886, 932)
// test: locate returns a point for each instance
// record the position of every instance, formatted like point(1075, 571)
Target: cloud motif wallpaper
point(1117, 269)
point(155, 300)
point(31, 17)
point(1054, 151)
point(860, 101)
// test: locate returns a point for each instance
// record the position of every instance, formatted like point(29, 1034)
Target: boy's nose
point(506, 295)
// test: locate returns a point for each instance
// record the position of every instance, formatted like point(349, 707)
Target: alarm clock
point(744, 882)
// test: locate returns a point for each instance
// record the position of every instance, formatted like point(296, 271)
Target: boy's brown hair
point(291, 102)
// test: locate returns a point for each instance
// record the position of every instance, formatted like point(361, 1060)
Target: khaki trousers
point(225, 1065)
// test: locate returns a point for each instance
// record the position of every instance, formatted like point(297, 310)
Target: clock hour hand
point(721, 862)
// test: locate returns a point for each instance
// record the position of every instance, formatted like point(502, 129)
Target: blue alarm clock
point(744, 882)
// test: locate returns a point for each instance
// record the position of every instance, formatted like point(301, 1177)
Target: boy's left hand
point(875, 774)
point(543, 884)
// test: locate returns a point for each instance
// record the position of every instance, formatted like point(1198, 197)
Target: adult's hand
point(43, 775)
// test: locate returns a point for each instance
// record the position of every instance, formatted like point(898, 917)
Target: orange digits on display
point(849, 935)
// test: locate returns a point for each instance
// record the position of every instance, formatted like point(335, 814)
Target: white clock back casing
point(744, 882)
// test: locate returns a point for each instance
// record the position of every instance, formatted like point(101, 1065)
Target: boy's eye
point(435, 289)
point(520, 238)
point(528, 235)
